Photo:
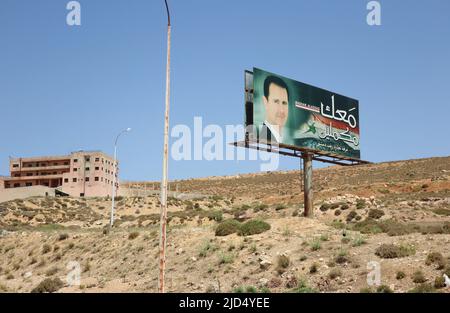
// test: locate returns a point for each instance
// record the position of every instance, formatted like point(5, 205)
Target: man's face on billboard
point(276, 105)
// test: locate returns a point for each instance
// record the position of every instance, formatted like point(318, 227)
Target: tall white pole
point(111, 222)
point(163, 221)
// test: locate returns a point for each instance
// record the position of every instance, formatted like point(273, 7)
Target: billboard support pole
point(307, 176)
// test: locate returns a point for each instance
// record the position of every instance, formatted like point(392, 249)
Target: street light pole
point(111, 222)
point(163, 221)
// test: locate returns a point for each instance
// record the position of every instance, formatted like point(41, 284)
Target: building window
point(75, 169)
point(74, 180)
point(87, 159)
point(29, 174)
point(55, 164)
point(97, 159)
point(55, 173)
point(96, 178)
point(30, 165)
point(66, 180)
point(75, 160)
point(46, 184)
point(87, 169)
point(28, 184)
point(16, 185)
point(82, 194)
point(66, 163)
point(15, 165)
point(101, 179)
point(7, 185)
point(97, 168)
point(16, 175)
point(87, 179)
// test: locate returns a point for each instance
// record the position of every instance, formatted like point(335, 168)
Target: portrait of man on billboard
point(276, 105)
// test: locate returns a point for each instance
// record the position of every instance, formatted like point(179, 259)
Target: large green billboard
point(292, 113)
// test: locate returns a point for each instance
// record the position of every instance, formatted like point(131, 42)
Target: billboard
point(288, 112)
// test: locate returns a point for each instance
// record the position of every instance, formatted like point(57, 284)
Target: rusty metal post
point(307, 176)
point(163, 221)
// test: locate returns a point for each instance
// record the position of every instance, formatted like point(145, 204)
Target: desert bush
point(442, 211)
point(280, 207)
point(52, 271)
point(302, 287)
point(390, 251)
point(436, 258)
point(215, 215)
point(133, 235)
point(418, 277)
point(46, 248)
point(439, 282)
point(376, 213)
point(253, 227)
point(423, 288)
point(400, 275)
point(226, 258)
point(315, 245)
point(313, 268)
point(360, 204)
point(341, 257)
point(358, 241)
point(351, 216)
point(325, 207)
point(260, 207)
point(227, 227)
point(48, 285)
point(337, 212)
point(283, 263)
point(344, 207)
point(63, 236)
point(334, 273)
point(384, 289)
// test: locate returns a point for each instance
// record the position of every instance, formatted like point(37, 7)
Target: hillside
point(395, 213)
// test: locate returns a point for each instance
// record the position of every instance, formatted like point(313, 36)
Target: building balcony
point(23, 178)
point(39, 168)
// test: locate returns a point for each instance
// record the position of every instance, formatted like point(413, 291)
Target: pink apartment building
point(80, 174)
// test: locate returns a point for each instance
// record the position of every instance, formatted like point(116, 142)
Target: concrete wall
point(25, 192)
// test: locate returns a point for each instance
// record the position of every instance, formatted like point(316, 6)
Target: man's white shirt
point(274, 129)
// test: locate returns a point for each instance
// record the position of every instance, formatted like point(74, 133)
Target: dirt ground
point(391, 219)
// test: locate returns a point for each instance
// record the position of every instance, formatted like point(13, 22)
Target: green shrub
point(46, 248)
point(253, 227)
point(334, 273)
point(375, 213)
point(423, 288)
point(384, 289)
point(283, 263)
point(390, 251)
point(52, 271)
point(358, 241)
point(313, 268)
point(227, 227)
point(360, 204)
point(418, 277)
point(226, 258)
point(48, 285)
point(351, 216)
point(133, 235)
point(63, 236)
point(344, 207)
point(215, 215)
point(315, 245)
point(400, 275)
point(436, 258)
point(325, 207)
point(439, 282)
point(280, 207)
point(303, 287)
